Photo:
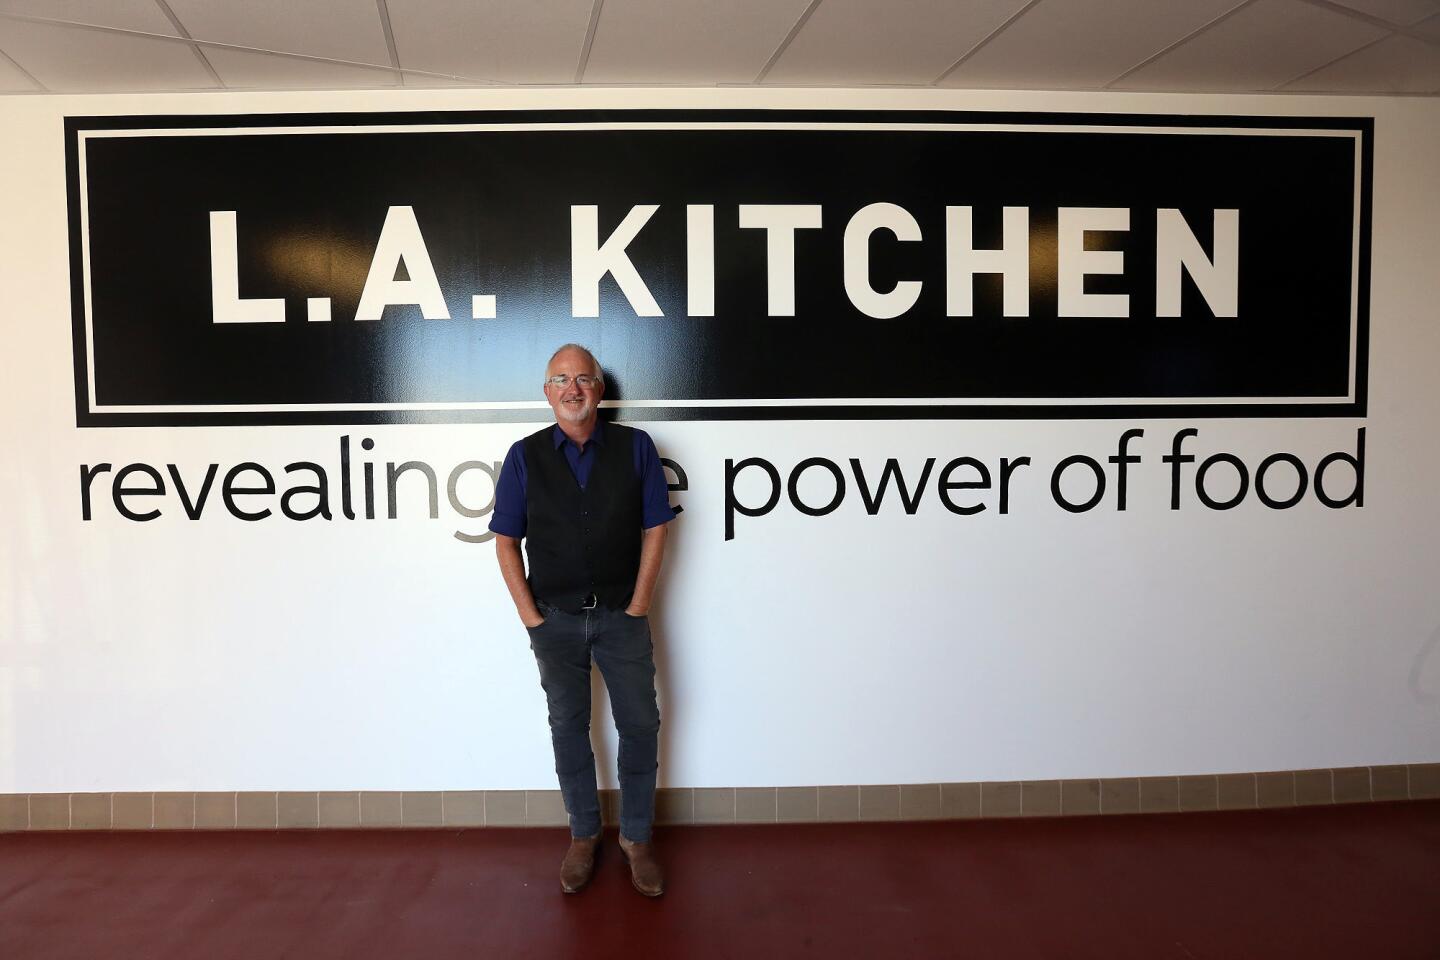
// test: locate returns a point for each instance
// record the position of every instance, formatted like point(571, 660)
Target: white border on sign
point(95, 407)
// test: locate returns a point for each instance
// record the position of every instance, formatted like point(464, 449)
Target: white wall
point(180, 655)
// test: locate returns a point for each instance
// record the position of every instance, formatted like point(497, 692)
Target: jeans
point(621, 647)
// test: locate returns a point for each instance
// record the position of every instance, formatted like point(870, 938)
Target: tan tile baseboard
point(286, 809)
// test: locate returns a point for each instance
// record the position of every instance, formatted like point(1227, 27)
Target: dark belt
point(587, 602)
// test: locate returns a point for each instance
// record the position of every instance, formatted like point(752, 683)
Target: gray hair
point(594, 364)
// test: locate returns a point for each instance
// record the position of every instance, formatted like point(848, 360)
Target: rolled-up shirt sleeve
point(508, 518)
point(654, 490)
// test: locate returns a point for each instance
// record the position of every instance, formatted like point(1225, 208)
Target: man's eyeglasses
point(561, 380)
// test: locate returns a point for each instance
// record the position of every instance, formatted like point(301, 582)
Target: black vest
point(582, 541)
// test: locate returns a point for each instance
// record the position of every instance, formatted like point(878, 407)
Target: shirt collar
point(558, 436)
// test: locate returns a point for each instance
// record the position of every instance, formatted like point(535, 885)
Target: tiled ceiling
point(1301, 46)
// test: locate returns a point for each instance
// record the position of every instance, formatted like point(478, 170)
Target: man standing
point(591, 502)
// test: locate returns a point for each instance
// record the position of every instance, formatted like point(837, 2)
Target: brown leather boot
point(579, 863)
point(645, 873)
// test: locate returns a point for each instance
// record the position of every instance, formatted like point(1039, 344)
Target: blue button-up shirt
point(510, 503)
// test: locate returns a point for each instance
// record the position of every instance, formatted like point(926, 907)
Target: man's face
point(571, 403)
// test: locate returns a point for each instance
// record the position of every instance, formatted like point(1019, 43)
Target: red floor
point(1351, 881)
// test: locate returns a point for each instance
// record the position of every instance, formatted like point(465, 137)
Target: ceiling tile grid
point(1429, 29)
point(81, 59)
point(1402, 13)
point(1297, 46)
point(688, 41)
point(423, 80)
point(1397, 64)
point(145, 16)
point(1263, 45)
point(335, 29)
point(899, 42)
point(251, 69)
point(1075, 44)
point(13, 79)
point(538, 41)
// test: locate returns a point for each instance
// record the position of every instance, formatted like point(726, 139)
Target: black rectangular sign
point(345, 268)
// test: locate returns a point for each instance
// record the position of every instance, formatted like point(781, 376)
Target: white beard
point(576, 413)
